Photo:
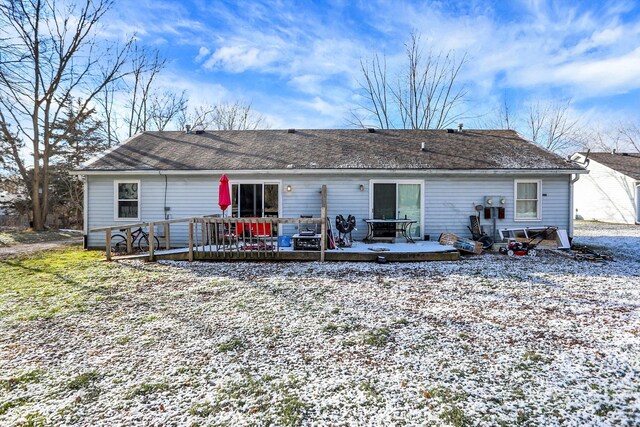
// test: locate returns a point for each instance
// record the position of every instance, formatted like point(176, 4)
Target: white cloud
point(584, 51)
point(308, 83)
point(239, 58)
point(606, 76)
point(202, 54)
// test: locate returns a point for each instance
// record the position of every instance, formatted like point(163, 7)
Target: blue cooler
point(284, 241)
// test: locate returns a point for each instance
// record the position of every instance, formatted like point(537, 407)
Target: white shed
point(610, 192)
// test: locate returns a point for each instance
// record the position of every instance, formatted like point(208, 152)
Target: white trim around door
point(420, 182)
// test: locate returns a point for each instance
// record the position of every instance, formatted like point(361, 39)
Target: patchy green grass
point(12, 238)
point(123, 340)
point(232, 344)
point(33, 420)
point(455, 416)
point(377, 337)
point(291, 410)
point(46, 284)
point(146, 389)
point(20, 381)
point(203, 409)
point(534, 357)
point(83, 380)
point(8, 404)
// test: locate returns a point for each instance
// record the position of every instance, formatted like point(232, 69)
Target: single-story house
point(437, 177)
point(611, 191)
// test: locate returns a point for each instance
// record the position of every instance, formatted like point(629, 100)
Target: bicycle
point(119, 241)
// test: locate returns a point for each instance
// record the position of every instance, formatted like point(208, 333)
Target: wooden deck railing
point(211, 238)
point(149, 225)
point(226, 237)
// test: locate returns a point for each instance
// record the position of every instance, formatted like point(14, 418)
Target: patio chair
point(255, 235)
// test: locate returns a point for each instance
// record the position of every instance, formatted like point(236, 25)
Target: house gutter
point(333, 172)
point(85, 214)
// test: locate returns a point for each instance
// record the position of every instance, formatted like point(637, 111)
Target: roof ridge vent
point(291, 130)
point(371, 130)
point(451, 130)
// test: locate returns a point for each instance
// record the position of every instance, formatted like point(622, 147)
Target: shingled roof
point(625, 163)
point(327, 149)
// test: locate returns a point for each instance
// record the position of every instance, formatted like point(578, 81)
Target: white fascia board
point(334, 172)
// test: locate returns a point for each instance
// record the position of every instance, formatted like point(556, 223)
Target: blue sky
point(297, 63)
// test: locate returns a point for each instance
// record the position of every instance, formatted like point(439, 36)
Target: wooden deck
point(357, 254)
point(213, 238)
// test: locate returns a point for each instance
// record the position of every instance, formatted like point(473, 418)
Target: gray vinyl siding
point(186, 197)
point(448, 202)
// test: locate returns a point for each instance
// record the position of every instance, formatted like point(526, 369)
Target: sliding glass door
point(255, 199)
point(398, 200)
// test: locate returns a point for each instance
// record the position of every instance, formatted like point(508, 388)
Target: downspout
point(637, 202)
point(85, 213)
point(571, 213)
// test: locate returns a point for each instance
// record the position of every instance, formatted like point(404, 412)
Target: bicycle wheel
point(143, 243)
point(119, 244)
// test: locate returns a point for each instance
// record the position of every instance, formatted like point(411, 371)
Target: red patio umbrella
point(224, 198)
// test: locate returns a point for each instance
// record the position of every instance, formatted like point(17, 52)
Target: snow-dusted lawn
point(484, 341)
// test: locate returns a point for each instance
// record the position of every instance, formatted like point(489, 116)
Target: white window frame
point(263, 182)
point(400, 181)
point(538, 183)
point(116, 200)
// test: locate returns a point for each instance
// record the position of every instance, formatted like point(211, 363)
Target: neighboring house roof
point(6, 197)
point(625, 163)
point(327, 149)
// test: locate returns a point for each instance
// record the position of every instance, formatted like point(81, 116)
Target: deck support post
point(108, 241)
point(129, 241)
point(323, 226)
point(151, 241)
point(167, 236)
point(190, 241)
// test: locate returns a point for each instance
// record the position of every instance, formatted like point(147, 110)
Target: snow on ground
point(487, 340)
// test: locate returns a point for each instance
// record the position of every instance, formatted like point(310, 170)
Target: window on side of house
point(527, 197)
point(127, 196)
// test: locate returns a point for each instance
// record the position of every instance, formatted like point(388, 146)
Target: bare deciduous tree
point(236, 116)
point(502, 117)
point(425, 94)
point(49, 52)
point(630, 134)
point(146, 67)
point(166, 107)
point(110, 123)
point(548, 124)
point(551, 126)
point(225, 116)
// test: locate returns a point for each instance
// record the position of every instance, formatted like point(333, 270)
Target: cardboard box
point(460, 243)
